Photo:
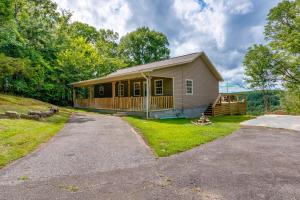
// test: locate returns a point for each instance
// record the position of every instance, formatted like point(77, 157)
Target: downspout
point(147, 95)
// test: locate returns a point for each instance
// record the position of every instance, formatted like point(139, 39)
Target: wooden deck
point(127, 103)
point(228, 104)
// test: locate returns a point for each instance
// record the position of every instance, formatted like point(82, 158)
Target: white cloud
point(113, 14)
point(224, 29)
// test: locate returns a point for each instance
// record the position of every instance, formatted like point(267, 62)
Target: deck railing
point(127, 103)
point(229, 104)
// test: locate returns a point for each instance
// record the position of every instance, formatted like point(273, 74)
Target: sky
point(223, 29)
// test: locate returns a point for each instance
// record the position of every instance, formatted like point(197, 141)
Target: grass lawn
point(19, 137)
point(170, 136)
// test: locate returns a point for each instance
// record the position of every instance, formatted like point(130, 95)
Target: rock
point(33, 117)
point(12, 114)
point(3, 116)
point(34, 113)
point(54, 109)
point(47, 113)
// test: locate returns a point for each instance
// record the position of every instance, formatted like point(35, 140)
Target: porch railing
point(127, 103)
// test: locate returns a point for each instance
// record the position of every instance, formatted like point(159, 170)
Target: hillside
point(19, 137)
point(21, 104)
point(255, 101)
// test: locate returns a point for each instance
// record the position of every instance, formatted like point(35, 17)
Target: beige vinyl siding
point(205, 84)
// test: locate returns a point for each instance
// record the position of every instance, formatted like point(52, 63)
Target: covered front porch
point(136, 94)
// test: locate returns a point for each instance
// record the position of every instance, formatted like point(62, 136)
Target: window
point(158, 87)
point(189, 87)
point(120, 89)
point(101, 90)
point(137, 89)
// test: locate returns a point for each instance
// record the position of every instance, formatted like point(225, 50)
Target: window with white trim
point(137, 89)
point(158, 87)
point(189, 86)
point(101, 90)
point(120, 90)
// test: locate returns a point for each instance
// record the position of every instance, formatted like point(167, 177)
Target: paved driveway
point(276, 121)
point(254, 163)
point(87, 144)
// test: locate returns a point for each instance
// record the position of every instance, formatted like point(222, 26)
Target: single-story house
point(182, 86)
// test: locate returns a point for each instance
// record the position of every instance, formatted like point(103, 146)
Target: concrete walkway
point(87, 144)
point(275, 121)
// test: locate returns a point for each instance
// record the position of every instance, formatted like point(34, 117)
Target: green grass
point(171, 136)
point(21, 104)
point(20, 137)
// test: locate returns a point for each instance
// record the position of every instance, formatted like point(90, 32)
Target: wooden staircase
point(209, 110)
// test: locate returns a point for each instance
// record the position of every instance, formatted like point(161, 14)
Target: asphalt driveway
point(253, 163)
point(87, 144)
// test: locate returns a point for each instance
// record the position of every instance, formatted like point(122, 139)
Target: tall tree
point(144, 46)
point(90, 33)
point(259, 64)
point(283, 33)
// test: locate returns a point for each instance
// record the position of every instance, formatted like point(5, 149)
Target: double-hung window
point(158, 87)
point(137, 89)
point(120, 89)
point(189, 87)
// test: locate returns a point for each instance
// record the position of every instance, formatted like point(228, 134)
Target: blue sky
point(224, 29)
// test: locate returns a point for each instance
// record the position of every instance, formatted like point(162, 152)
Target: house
point(182, 86)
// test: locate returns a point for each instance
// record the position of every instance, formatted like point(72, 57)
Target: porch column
point(74, 97)
point(91, 95)
point(148, 103)
point(128, 88)
point(113, 94)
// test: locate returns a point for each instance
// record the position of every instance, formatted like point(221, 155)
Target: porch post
point(74, 96)
point(148, 95)
point(128, 88)
point(91, 95)
point(113, 93)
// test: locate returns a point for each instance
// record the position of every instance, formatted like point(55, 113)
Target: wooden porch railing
point(127, 103)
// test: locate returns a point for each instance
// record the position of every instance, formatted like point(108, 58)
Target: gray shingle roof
point(158, 65)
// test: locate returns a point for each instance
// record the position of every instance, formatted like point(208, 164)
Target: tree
point(107, 43)
point(283, 33)
point(258, 63)
point(78, 29)
point(10, 67)
point(144, 46)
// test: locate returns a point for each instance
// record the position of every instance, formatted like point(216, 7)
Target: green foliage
point(171, 136)
point(258, 64)
point(144, 46)
point(290, 100)
point(283, 33)
point(255, 101)
point(42, 52)
point(280, 58)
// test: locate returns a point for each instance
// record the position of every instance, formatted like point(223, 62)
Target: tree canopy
point(144, 46)
point(42, 51)
point(279, 58)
